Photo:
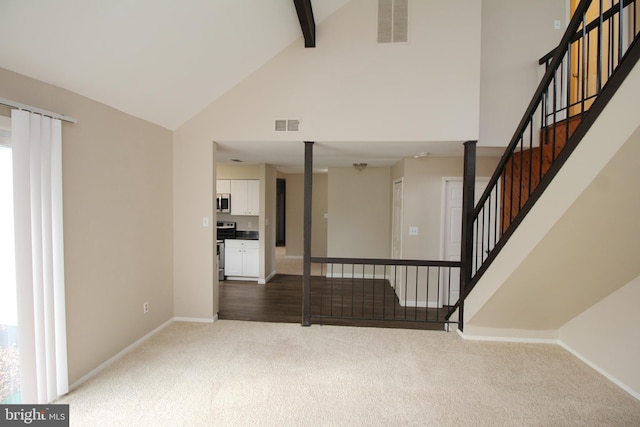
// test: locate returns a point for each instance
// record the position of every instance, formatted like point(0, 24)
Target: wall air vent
point(293, 125)
point(288, 125)
point(281, 125)
point(393, 21)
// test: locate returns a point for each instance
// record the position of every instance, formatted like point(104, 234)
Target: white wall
point(607, 336)
point(351, 88)
point(515, 35)
point(193, 245)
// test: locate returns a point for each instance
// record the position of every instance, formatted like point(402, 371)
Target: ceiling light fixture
point(420, 155)
point(359, 166)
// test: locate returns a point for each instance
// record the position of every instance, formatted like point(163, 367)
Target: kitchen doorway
point(281, 211)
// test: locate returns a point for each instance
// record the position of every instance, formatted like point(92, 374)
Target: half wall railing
point(385, 291)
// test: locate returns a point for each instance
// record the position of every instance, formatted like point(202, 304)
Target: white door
point(396, 228)
point(452, 236)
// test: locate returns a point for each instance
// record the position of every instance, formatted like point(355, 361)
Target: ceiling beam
point(307, 23)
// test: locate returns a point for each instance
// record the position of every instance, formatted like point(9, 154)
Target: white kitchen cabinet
point(241, 258)
point(223, 186)
point(245, 197)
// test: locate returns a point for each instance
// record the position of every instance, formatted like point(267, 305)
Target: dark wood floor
point(348, 302)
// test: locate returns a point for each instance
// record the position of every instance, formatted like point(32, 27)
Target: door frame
point(444, 221)
point(394, 226)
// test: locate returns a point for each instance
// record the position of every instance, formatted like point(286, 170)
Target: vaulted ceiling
point(160, 60)
point(165, 60)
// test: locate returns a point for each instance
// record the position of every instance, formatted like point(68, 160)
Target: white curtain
point(37, 184)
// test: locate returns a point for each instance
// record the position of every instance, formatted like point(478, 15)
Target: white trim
point(118, 355)
point(443, 210)
point(597, 368)
point(196, 319)
point(419, 304)
point(507, 339)
point(393, 185)
point(635, 394)
point(242, 278)
point(348, 275)
point(269, 277)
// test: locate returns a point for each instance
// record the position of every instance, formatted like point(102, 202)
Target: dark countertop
point(247, 235)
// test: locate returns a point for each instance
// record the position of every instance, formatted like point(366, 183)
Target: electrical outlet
point(145, 307)
point(413, 231)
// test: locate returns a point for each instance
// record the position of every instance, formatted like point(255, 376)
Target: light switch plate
point(205, 221)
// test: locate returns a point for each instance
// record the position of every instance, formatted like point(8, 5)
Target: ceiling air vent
point(288, 125)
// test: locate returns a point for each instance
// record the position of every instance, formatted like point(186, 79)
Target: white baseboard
point(522, 340)
point(607, 375)
point(575, 353)
point(419, 304)
point(348, 275)
point(118, 355)
point(242, 278)
point(269, 277)
point(196, 319)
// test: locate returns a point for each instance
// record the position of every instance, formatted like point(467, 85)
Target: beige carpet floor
point(234, 373)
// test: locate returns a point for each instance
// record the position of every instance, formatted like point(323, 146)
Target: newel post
point(306, 261)
point(466, 255)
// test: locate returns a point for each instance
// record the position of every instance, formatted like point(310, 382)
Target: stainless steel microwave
point(223, 203)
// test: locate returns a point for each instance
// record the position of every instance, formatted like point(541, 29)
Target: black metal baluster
point(521, 173)
point(395, 287)
point(415, 298)
point(373, 294)
point(610, 59)
point(449, 288)
point(481, 238)
point(384, 292)
point(544, 129)
point(513, 161)
point(497, 219)
point(426, 297)
point(553, 153)
point(620, 28)
point(439, 293)
point(331, 291)
point(530, 154)
point(405, 292)
point(585, 69)
point(474, 263)
point(599, 50)
point(489, 247)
